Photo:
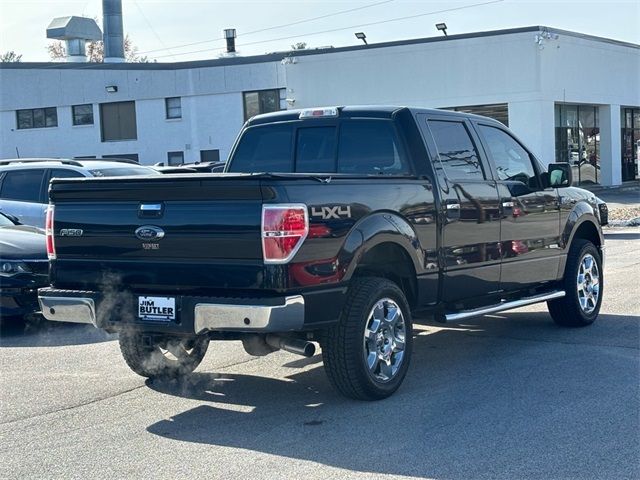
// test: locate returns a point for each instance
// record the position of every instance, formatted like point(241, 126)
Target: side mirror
point(560, 175)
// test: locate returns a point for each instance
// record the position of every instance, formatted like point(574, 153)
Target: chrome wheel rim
point(384, 340)
point(588, 284)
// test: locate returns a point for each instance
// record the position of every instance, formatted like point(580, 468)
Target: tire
point(162, 357)
point(581, 304)
point(346, 352)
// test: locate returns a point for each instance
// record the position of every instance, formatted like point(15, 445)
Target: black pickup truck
point(361, 218)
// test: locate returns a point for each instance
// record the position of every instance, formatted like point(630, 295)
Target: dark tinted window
point(264, 149)
point(63, 173)
point(315, 150)
point(511, 160)
point(264, 101)
point(457, 156)
point(209, 155)
point(370, 147)
point(37, 118)
point(22, 185)
point(82, 114)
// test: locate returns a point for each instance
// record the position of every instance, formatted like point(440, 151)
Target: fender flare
point(580, 214)
point(376, 229)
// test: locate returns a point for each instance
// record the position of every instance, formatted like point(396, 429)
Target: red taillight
point(48, 227)
point(284, 228)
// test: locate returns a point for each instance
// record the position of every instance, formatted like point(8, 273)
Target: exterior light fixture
point(362, 36)
point(111, 88)
point(442, 27)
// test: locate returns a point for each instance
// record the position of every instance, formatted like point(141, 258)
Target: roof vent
point(76, 32)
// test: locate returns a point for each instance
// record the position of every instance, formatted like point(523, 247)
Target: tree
point(10, 56)
point(299, 46)
point(95, 51)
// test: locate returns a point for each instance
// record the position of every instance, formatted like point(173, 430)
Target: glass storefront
point(498, 111)
point(630, 137)
point(578, 141)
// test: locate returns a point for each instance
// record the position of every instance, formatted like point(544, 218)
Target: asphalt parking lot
point(502, 396)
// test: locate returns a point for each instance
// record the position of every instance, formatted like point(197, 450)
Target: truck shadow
point(497, 394)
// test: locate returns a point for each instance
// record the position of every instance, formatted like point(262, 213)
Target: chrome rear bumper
point(270, 316)
point(68, 309)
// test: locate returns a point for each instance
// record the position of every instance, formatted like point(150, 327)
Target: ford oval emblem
point(149, 232)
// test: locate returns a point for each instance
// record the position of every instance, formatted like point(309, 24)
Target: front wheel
point(583, 281)
point(366, 356)
point(162, 357)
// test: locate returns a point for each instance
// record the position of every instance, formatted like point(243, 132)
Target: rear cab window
point(350, 146)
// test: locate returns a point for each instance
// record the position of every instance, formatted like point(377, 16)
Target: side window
point(315, 150)
point(63, 173)
point(370, 147)
point(457, 156)
point(23, 185)
point(264, 149)
point(511, 160)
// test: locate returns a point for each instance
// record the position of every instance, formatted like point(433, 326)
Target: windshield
point(123, 171)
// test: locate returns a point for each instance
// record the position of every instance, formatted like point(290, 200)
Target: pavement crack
point(72, 407)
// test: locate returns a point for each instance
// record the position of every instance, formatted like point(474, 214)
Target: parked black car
point(365, 216)
point(24, 268)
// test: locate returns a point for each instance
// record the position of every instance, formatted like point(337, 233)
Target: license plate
point(159, 309)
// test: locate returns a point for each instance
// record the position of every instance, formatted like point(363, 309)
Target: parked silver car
point(24, 181)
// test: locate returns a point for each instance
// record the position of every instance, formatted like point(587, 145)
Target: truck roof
point(373, 111)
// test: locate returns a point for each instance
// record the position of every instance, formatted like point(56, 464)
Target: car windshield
point(122, 171)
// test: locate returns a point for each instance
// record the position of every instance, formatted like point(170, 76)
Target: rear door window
point(457, 155)
point(370, 147)
point(23, 185)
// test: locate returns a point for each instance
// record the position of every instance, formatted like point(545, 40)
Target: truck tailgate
point(149, 232)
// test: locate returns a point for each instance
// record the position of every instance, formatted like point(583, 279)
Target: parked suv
point(24, 181)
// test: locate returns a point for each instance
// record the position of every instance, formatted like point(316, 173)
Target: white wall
point(212, 109)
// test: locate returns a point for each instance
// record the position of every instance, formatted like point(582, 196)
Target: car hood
point(582, 194)
point(22, 243)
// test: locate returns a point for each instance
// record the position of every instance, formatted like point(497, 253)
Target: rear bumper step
point(456, 317)
point(196, 314)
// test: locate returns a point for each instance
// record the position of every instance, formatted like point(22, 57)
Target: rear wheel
point(162, 357)
point(583, 282)
point(366, 356)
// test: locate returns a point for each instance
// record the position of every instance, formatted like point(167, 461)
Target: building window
point(264, 101)
point(82, 114)
point(209, 155)
point(578, 141)
point(499, 111)
point(173, 107)
point(118, 121)
point(175, 158)
point(37, 118)
point(630, 137)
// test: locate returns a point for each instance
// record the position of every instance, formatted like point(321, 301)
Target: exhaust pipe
point(292, 345)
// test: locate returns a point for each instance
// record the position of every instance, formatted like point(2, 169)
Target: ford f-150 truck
point(333, 226)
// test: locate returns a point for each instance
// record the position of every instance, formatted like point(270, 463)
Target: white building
point(570, 97)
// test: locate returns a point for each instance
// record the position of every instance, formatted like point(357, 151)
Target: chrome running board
point(454, 317)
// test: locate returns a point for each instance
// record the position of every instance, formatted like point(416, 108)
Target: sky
point(173, 30)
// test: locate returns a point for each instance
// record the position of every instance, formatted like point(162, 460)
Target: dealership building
point(570, 97)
